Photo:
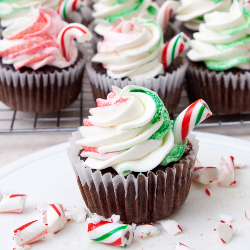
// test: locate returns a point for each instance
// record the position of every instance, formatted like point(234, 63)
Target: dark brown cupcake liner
point(225, 92)
point(141, 199)
point(44, 90)
point(167, 86)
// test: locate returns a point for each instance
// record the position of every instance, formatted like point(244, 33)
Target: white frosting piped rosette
point(56, 218)
point(30, 232)
point(105, 231)
point(14, 203)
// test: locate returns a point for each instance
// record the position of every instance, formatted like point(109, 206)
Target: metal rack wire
point(67, 120)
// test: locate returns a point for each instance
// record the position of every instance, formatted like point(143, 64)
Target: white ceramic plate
point(46, 176)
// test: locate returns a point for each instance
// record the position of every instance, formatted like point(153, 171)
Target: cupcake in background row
point(41, 69)
point(220, 61)
point(191, 13)
point(108, 13)
point(133, 52)
point(130, 159)
point(16, 10)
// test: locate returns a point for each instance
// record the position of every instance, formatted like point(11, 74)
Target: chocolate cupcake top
point(131, 131)
point(223, 42)
point(135, 49)
point(16, 10)
point(192, 12)
point(42, 39)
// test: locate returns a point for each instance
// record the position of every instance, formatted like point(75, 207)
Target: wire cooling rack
point(67, 120)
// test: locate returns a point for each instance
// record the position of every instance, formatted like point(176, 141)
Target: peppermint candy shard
point(171, 226)
point(56, 218)
point(30, 232)
point(76, 214)
point(145, 230)
point(225, 232)
point(14, 203)
point(226, 175)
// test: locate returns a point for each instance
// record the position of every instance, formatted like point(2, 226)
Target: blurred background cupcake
point(41, 69)
point(130, 159)
point(17, 10)
point(133, 53)
point(108, 14)
point(219, 61)
point(191, 13)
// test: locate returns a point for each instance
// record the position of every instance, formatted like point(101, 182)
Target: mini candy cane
point(173, 48)
point(67, 6)
point(30, 232)
point(188, 119)
point(165, 12)
point(13, 204)
point(109, 233)
point(66, 35)
point(56, 218)
point(226, 178)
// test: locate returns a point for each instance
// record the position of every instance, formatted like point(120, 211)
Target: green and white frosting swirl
point(130, 131)
point(223, 42)
point(108, 12)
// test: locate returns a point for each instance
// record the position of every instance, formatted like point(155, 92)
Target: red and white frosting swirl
point(42, 39)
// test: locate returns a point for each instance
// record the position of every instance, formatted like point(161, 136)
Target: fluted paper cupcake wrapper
point(140, 200)
point(224, 92)
point(41, 91)
point(168, 86)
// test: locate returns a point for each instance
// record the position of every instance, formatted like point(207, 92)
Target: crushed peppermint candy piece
point(247, 213)
point(76, 214)
point(239, 164)
point(25, 247)
point(226, 168)
point(145, 230)
point(14, 203)
point(225, 232)
point(171, 226)
point(56, 218)
point(208, 192)
point(224, 217)
point(116, 219)
point(42, 212)
point(181, 246)
point(30, 232)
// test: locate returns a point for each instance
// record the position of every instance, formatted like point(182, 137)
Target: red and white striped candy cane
point(173, 48)
point(109, 233)
point(67, 6)
point(56, 218)
point(165, 12)
point(68, 33)
point(188, 119)
point(30, 232)
point(13, 204)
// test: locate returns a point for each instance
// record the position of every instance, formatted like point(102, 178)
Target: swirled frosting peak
point(191, 12)
point(41, 39)
point(132, 49)
point(223, 41)
point(108, 12)
point(129, 131)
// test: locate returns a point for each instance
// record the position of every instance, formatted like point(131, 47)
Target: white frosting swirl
point(16, 10)
point(223, 37)
point(108, 12)
point(132, 49)
point(191, 10)
point(119, 130)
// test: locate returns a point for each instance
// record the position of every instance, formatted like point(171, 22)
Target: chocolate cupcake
point(219, 61)
point(190, 14)
point(133, 53)
point(130, 159)
point(107, 14)
point(41, 69)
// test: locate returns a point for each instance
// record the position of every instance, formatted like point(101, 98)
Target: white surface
point(46, 176)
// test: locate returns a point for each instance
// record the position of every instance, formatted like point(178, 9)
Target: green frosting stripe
point(235, 44)
point(228, 64)
point(105, 236)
